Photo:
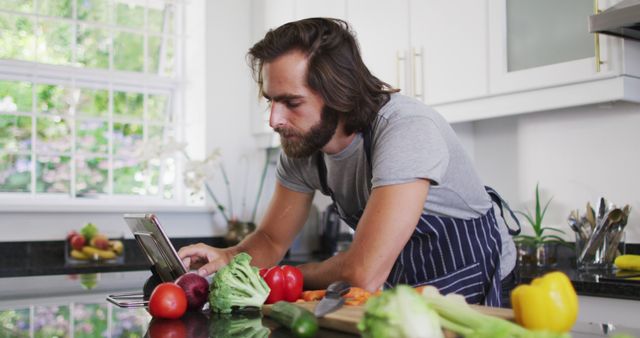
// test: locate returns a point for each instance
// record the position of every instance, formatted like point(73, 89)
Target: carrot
point(312, 295)
point(356, 292)
point(355, 296)
point(420, 288)
point(354, 301)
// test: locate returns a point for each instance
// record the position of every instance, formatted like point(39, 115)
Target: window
point(84, 84)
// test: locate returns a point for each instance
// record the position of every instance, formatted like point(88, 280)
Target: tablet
point(156, 245)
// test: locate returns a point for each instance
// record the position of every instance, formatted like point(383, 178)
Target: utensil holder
point(612, 245)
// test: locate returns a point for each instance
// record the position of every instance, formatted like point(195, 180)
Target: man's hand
point(205, 258)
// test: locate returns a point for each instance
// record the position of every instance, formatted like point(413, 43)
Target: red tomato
point(284, 281)
point(167, 328)
point(167, 300)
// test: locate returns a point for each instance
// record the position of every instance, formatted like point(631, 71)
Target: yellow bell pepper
point(628, 262)
point(549, 303)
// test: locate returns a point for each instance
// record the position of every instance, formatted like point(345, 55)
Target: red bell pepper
point(285, 282)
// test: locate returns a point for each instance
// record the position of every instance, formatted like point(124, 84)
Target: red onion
point(196, 288)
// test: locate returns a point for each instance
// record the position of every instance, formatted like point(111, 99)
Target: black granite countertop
point(598, 283)
point(48, 258)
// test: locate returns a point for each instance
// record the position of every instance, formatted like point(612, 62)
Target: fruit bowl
point(89, 254)
point(91, 246)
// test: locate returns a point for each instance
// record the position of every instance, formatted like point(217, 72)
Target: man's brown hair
point(335, 68)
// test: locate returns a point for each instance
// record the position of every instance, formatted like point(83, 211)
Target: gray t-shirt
point(410, 141)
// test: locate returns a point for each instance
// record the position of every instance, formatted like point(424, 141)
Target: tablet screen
point(156, 245)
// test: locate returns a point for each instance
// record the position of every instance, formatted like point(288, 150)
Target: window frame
point(111, 80)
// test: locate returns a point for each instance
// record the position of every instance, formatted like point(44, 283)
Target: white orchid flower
point(155, 148)
point(198, 172)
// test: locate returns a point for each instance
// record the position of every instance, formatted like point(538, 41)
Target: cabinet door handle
point(417, 73)
point(400, 68)
point(596, 39)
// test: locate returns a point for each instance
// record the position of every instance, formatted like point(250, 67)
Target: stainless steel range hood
point(621, 20)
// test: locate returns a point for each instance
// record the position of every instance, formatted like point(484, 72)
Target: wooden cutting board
point(347, 317)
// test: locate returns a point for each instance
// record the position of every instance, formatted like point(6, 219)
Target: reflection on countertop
point(58, 305)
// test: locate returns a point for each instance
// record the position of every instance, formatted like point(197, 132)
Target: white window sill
point(53, 205)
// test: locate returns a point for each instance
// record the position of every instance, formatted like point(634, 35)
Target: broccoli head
point(237, 284)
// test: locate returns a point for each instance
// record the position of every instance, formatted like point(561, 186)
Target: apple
point(70, 235)
point(100, 241)
point(77, 242)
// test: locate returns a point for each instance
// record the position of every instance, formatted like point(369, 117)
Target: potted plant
point(539, 248)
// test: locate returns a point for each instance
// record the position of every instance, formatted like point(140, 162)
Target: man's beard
point(305, 144)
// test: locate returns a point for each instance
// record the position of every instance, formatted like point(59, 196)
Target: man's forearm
point(263, 250)
point(318, 275)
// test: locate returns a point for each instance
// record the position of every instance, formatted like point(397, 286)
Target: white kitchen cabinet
point(540, 44)
point(428, 48)
point(542, 57)
point(557, 47)
point(326, 8)
point(494, 58)
point(382, 30)
point(449, 49)
point(622, 312)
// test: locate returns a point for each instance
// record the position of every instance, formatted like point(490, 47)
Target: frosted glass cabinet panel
point(540, 57)
point(543, 43)
point(545, 32)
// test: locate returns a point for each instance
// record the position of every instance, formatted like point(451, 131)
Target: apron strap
point(322, 174)
point(497, 199)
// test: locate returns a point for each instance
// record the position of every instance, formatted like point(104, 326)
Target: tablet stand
point(133, 299)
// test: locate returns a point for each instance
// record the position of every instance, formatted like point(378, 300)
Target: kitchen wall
point(577, 155)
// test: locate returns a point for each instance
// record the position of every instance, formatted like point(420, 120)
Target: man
point(392, 166)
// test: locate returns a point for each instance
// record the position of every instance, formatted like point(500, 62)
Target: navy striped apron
point(455, 255)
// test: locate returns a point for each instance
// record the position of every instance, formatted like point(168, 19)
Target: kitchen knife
point(332, 299)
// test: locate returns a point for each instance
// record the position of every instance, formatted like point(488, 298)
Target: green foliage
point(237, 284)
point(45, 327)
point(90, 320)
point(535, 220)
point(399, 312)
point(18, 177)
point(15, 133)
point(18, 93)
point(128, 104)
point(18, 39)
point(60, 8)
point(14, 323)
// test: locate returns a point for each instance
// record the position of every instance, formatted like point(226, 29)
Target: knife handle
point(339, 288)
